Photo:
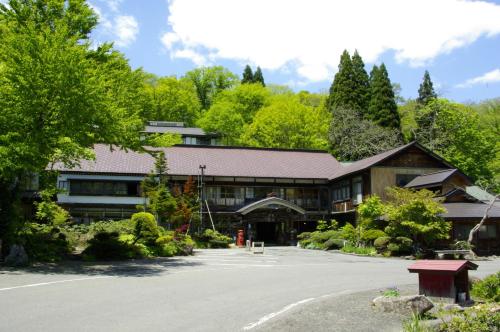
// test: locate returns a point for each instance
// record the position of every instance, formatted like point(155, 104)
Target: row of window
point(342, 190)
point(102, 188)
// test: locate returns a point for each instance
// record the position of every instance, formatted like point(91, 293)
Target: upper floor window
point(103, 188)
point(341, 191)
point(357, 190)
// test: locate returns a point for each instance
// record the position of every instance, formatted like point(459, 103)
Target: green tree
point(222, 119)
point(382, 109)
point(352, 138)
point(286, 123)
point(171, 99)
point(426, 90)
point(58, 95)
point(258, 77)
point(361, 83)
point(246, 99)
point(416, 215)
point(247, 75)
point(209, 82)
point(342, 87)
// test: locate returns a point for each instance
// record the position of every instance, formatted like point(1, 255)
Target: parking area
point(214, 290)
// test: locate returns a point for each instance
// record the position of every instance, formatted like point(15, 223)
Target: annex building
point(273, 193)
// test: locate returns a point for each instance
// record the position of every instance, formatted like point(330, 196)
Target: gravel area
point(350, 312)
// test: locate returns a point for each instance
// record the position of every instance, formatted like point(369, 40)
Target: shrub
point(393, 247)
point(167, 250)
point(372, 234)
point(317, 239)
point(214, 239)
point(348, 232)
point(473, 320)
point(333, 244)
point(488, 289)
point(44, 243)
point(108, 246)
point(381, 243)
point(405, 244)
point(145, 228)
point(367, 251)
point(462, 245)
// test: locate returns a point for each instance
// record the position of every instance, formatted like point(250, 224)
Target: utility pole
point(200, 195)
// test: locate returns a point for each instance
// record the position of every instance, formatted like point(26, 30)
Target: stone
point(17, 256)
point(405, 305)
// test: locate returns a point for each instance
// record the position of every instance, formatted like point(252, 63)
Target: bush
point(333, 244)
point(462, 245)
point(488, 289)
point(213, 239)
point(393, 247)
point(108, 246)
point(145, 228)
point(381, 243)
point(372, 234)
point(473, 320)
point(366, 251)
point(317, 239)
point(405, 244)
point(44, 243)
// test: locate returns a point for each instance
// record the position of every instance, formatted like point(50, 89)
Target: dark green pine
point(383, 109)
point(341, 90)
point(361, 84)
point(258, 77)
point(247, 75)
point(426, 91)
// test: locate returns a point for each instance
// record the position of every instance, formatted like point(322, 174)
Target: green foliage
point(247, 75)
point(349, 89)
point(365, 251)
point(462, 245)
point(382, 108)
point(109, 246)
point(372, 234)
point(331, 244)
point(222, 119)
point(488, 289)
point(145, 228)
point(286, 123)
point(478, 319)
point(381, 243)
point(213, 239)
point(170, 99)
point(454, 132)
point(349, 233)
point(414, 324)
point(415, 214)
point(44, 243)
point(164, 140)
point(48, 212)
point(370, 212)
point(258, 77)
point(426, 90)
point(352, 138)
point(209, 82)
point(391, 292)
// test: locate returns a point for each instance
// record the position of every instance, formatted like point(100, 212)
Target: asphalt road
point(215, 290)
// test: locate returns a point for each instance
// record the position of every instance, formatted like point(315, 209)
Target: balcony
point(343, 206)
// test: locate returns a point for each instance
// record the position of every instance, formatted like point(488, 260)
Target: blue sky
point(298, 42)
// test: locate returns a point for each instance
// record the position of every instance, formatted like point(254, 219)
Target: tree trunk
point(476, 228)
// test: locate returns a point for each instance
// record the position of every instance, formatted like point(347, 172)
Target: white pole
point(210, 215)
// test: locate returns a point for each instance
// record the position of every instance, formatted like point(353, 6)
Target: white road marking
point(274, 314)
point(54, 282)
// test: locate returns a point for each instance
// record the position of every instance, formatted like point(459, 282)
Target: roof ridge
point(233, 147)
point(440, 171)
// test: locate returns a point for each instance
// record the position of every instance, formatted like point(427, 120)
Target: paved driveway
point(215, 290)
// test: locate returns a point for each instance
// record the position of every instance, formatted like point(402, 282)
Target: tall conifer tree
point(258, 78)
point(383, 109)
point(426, 91)
point(342, 87)
point(361, 84)
point(248, 76)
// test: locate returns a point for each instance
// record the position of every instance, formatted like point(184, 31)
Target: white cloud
point(125, 29)
point(122, 29)
point(489, 77)
point(192, 55)
point(310, 35)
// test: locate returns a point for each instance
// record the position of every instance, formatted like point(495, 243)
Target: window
point(341, 191)
point(461, 232)
point(249, 193)
point(103, 188)
point(488, 232)
point(29, 182)
point(190, 140)
point(63, 185)
point(357, 190)
point(403, 179)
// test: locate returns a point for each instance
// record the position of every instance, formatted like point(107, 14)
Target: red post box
point(240, 240)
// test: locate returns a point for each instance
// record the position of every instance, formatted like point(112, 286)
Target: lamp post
point(200, 195)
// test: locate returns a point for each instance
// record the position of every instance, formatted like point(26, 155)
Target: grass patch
point(365, 251)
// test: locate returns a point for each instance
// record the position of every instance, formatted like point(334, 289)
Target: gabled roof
point(366, 163)
point(219, 161)
point(449, 266)
point(458, 192)
point(479, 193)
point(430, 179)
point(462, 210)
point(269, 202)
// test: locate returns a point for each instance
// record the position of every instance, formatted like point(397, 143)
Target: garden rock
point(17, 256)
point(405, 305)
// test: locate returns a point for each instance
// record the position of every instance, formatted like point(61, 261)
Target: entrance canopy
point(270, 201)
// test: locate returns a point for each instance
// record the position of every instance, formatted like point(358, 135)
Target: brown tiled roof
point(369, 162)
point(431, 178)
point(469, 210)
point(219, 161)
